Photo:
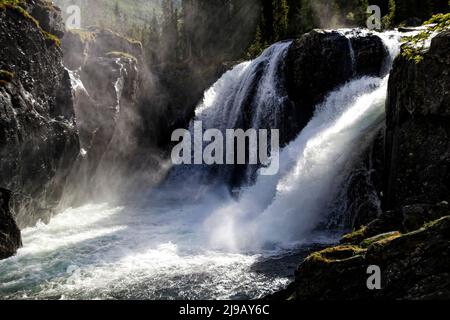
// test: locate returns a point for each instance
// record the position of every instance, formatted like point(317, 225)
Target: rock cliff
point(38, 135)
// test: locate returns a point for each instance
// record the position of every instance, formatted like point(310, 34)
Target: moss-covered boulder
point(413, 266)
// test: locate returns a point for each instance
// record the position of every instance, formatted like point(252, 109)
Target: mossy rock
point(339, 253)
point(415, 46)
point(17, 6)
point(355, 237)
point(380, 239)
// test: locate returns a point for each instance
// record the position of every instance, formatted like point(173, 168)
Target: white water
point(206, 248)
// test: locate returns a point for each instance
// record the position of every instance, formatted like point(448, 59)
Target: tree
point(280, 19)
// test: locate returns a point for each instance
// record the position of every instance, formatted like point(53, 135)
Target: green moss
point(381, 239)
point(339, 253)
point(51, 38)
point(117, 54)
point(356, 236)
point(415, 46)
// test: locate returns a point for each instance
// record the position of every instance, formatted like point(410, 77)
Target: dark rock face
point(320, 61)
point(418, 128)
point(10, 239)
point(49, 16)
point(38, 136)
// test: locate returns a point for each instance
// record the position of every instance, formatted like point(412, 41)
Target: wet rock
point(319, 62)
point(10, 238)
point(38, 137)
point(418, 127)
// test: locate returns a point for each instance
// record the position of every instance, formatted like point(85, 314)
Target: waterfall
point(254, 87)
point(251, 95)
point(286, 208)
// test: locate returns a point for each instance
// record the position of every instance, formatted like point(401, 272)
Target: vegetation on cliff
point(416, 45)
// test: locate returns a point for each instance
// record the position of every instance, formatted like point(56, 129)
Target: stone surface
point(10, 239)
point(418, 128)
point(319, 62)
point(38, 136)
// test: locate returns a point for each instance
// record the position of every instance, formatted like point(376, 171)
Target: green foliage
point(257, 46)
point(388, 20)
point(402, 10)
point(280, 19)
point(415, 45)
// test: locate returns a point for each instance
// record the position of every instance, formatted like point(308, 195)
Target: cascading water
point(251, 95)
point(218, 247)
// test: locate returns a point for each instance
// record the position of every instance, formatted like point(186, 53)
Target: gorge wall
point(38, 135)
